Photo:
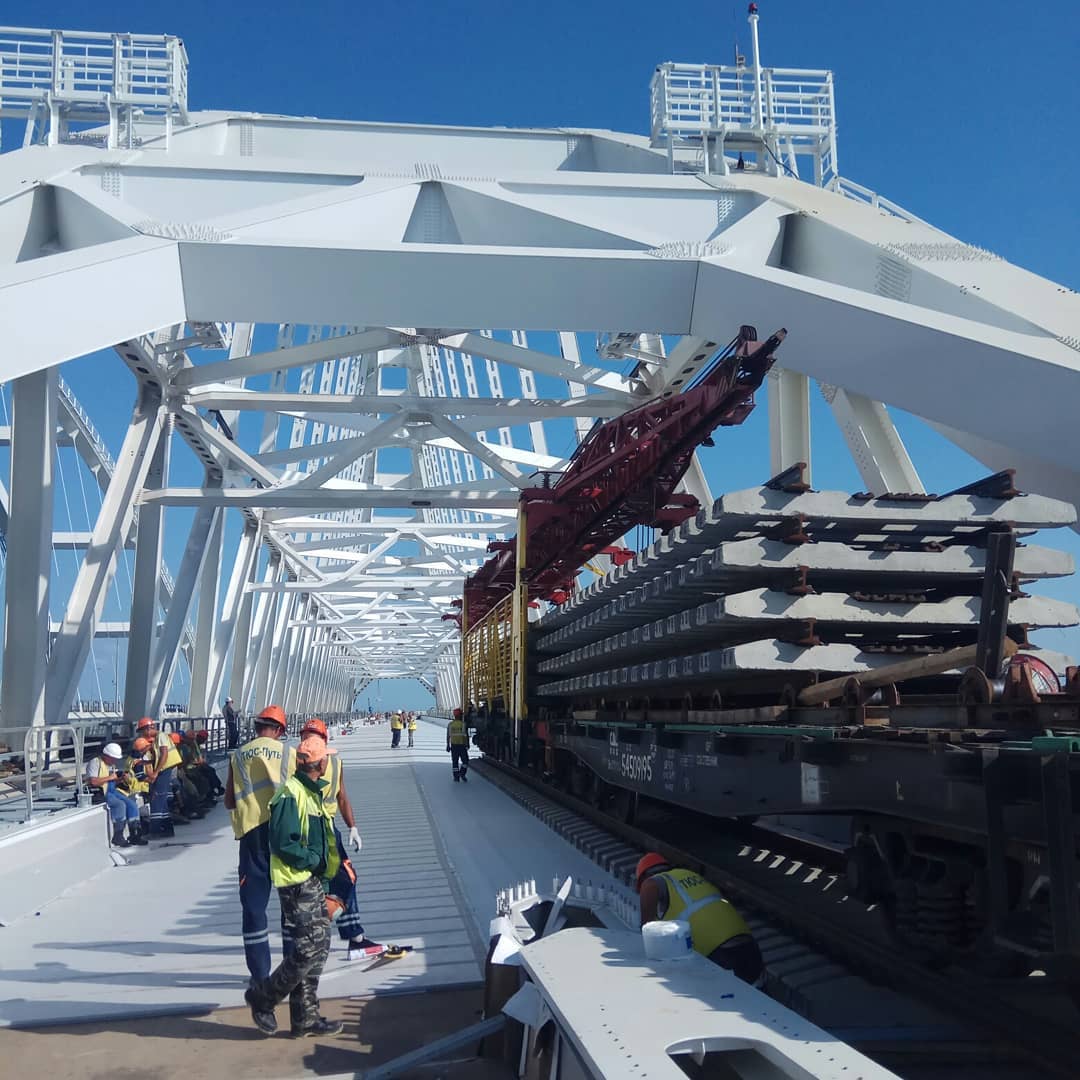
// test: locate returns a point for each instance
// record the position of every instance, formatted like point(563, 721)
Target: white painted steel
point(390, 409)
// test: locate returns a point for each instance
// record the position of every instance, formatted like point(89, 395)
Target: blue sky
point(963, 113)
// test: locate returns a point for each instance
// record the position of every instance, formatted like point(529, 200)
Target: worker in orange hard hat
point(257, 770)
point(166, 758)
point(717, 930)
point(343, 884)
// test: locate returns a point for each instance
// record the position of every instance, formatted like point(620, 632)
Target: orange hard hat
point(140, 746)
point(145, 722)
point(176, 738)
point(314, 727)
point(275, 714)
point(648, 862)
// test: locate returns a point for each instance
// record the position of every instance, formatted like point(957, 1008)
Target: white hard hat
point(112, 750)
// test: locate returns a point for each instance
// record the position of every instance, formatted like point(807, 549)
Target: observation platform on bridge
point(161, 935)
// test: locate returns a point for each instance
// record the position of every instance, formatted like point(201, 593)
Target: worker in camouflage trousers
point(303, 859)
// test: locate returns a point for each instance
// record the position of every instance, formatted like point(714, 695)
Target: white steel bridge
point(345, 347)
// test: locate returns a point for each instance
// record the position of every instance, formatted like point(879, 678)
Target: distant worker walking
point(342, 888)
point(303, 860)
point(232, 725)
point(105, 774)
point(412, 729)
point(457, 746)
point(718, 931)
point(257, 770)
point(396, 724)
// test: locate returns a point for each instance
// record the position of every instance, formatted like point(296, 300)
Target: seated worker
point(105, 777)
point(136, 766)
point(186, 797)
point(717, 929)
point(195, 762)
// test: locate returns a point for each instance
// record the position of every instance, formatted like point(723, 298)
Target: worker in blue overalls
point(256, 771)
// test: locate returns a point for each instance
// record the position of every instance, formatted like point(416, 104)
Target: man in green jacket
point(303, 858)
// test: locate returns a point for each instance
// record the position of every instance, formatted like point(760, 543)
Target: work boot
point(260, 1012)
point(322, 1026)
point(364, 948)
point(180, 819)
point(457, 777)
point(118, 839)
point(464, 777)
point(135, 834)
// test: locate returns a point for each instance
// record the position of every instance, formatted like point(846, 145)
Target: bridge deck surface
point(162, 935)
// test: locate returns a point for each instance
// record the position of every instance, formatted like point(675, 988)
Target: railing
point(89, 70)
point(862, 194)
point(39, 746)
point(689, 100)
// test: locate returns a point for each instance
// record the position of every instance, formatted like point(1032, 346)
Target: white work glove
point(354, 839)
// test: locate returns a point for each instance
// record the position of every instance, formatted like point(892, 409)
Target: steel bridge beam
point(29, 550)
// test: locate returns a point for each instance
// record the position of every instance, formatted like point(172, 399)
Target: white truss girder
point(397, 427)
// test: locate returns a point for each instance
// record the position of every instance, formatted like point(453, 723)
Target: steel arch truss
point(307, 305)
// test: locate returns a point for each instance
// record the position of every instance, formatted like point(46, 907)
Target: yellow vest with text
point(259, 768)
point(163, 742)
point(713, 920)
point(457, 733)
point(308, 805)
point(332, 780)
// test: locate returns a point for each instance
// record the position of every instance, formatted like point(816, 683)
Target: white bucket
point(667, 940)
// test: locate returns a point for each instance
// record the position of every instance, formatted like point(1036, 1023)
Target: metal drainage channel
point(1002, 1034)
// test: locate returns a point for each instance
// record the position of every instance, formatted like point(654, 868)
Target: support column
point(167, 649)
point(262, 636)
point(29, 549)
point(200, 702)
point(875, 444)
point(235, 627)
point(789, 420)
point(142, 628)
point(279, 660)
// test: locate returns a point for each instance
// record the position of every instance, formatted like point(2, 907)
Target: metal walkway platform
point(162, 935)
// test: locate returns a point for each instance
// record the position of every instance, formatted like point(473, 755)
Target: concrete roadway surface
point(153, 948)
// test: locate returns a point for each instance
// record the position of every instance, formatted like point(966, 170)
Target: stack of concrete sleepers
point(816, 581)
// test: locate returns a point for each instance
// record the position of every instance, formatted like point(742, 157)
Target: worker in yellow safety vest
point(717, 930)
point(341, 894)
point(412, 728)
point(165, 760)
point(457, 746)
point(257, 770)
point(303, 862)
point(396, 724)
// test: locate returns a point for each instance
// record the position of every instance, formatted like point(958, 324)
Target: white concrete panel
point(45, 858)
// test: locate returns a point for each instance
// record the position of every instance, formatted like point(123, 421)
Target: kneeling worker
point(718, 930)
point(303, 860)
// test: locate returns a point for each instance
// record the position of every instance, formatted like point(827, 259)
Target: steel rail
point(1051, 1046)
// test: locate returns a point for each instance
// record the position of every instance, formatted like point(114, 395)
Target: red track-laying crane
point(623, 474)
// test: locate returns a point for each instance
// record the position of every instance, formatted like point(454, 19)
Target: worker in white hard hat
point(232, 725)
point(104, 776)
